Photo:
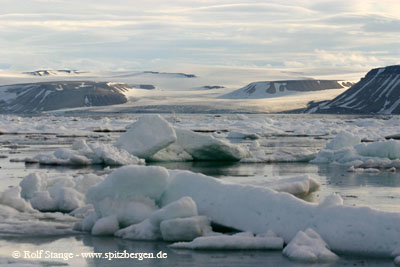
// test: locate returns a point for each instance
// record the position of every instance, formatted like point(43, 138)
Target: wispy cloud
point(156, 34)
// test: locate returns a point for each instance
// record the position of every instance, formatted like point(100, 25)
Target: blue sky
point(172, 35)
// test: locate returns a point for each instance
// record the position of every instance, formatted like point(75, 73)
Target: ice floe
point(63, 193)
point(11, 197)
point(347, 149)
point(151, 137)
point(130, 193)
point(150, 229)
point(156, 138)
point(156, 201)
point(151, 203)
point(184, 229)
point(298, 186)
point(204, 147)
point(82, 153)
point(237, 241)
point(308, 246)
point(146, 136)
point(258, 209)
point(105, 226)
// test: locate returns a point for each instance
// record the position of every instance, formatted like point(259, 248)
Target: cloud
point(157, 34)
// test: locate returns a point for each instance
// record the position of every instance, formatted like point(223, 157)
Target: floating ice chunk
point(68, 198)
point(367, 170)
point(105, 226)
point(56, 193)
point(12, 197)
point(148, 135)
point(308, 246)
point(331, 200)
point(385, 149)
point(130, 193)
point(257, 209)
point(42, 201)
point(48, 159)
point(130, 183)
point(173, 152)
point(82, 212)
point(184, 229)
point(89, 221)
point(343, 139)
point(111, 155)
point(149, 229)
point(298, 186)
point(184, 207)
point(230, 242)
point(144, 230)
point(204, 147)
point(130, 212)
point(346, 155)
point(378, 155)
point(82, 153)
point(32, 183)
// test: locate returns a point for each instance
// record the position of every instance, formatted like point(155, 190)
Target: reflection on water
point(236, 169)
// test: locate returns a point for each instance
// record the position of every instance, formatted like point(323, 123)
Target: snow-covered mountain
point(44, 96)
point(54, 72)
point(377, 93)
point(148, 80)
point(152, 91)
point(268, 89)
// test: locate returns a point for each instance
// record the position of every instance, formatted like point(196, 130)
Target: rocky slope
point(377, 93)
point(258, 90)
point(45, 96)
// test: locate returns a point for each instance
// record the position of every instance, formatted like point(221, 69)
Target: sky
point(332, 36)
